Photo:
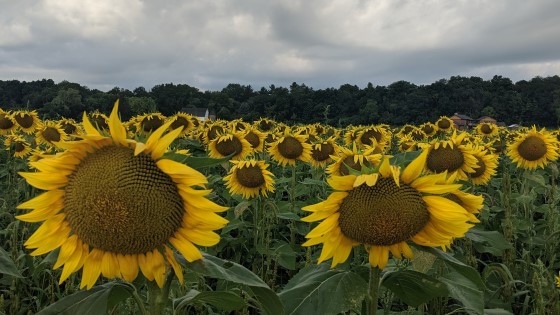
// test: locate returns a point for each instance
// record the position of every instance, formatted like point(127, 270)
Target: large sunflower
point(289, 148)
point(384, 211)
point(533, 149)
point(249, 179)
point(115, 207)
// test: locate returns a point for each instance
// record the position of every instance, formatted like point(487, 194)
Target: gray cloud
point(208, 44)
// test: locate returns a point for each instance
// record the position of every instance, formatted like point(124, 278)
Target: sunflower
point(115, 206)
point(184, 120)
point(487, 165)
point(372, 136)
point(149, 122)
point(212, 131)
point(265, 124)
point(238, 125)
point(406, 144)
point(472, 203)
point(232, 143)
point(50, 132)
point(7, 122)
point(69, 126)
point(18, 145)
point(445, 124)
point(321, 152)
point(487, 129)
point(249, 179)
point(290, 147)
point(417, 134)
point(384, 211)
point(28, 121)
point(355, 159)
point(351, 135)
point(100, 120)
point(255, 138)
point(533, 149)
point(451, 156)
point(429, 129)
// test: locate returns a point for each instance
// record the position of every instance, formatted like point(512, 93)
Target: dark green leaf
point(403, 159)
point(464, 282)
point(218, 268)
point(97, 300)
point(414, 288)
point(492, 242)
point(195, 161)
point(7, 265)
point(320, 290)
point(222, 300)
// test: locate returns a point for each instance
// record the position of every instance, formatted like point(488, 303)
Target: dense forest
point(536, 101)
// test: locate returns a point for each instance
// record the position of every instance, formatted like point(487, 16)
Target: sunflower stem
point(373, 290)
point(157, 297)
point(139, 302)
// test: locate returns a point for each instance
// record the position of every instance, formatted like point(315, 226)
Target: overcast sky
point(208, 44)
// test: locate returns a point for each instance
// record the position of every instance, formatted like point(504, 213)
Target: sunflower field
point(174, 215)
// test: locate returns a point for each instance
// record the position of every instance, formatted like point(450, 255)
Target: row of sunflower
point(117, 203)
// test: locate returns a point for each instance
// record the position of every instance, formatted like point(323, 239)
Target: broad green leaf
point(414, 288)
point(534, 178)
point(97, 300)
point(464, 282)
point(492, 242)
point(7, 265)
point(222, 300)
point(404, 158)
point(218, 268)
point(320, 290)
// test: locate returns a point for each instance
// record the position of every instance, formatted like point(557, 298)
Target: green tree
point(142, 105)
point(67, 103)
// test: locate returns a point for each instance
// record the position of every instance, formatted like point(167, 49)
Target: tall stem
point(373, 290)
point(157, 297)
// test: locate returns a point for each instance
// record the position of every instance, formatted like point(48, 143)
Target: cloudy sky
point(208, 44)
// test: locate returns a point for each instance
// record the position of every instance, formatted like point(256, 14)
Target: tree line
point(536, 101)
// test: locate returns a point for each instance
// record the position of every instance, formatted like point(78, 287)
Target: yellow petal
point(200, 237)
point(185, 247)
point(66, 251)
point(415, 168)
point(342, 183)
point(128, 265)
point(153, 140)
point(174, 264)
point(110, 265)
point(43, 200)
point(144, 261)
point(92, 268)
point(118, 133)
point(72, 263)
point(183, 173)
point(161, 146)
point(325, 226)
point(45, 181)
point(158, 266)
point(88, 127)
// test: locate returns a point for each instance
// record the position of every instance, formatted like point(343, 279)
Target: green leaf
point(534, 179)
point(222, 300)
point(492, 242)
point(414, 288)
point(404, 158)
point(320, 290)
point(97, 300)
point(7, 265)
point(464, 282)
point(218, 268)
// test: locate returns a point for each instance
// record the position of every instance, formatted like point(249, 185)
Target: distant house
point(487, 119)
point(461, 121)
point(200, 112)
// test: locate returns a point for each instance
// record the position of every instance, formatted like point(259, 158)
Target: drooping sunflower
point(406, 144)
point(355, 159)
point(321, 152)
point(249, 179)
point(533, 149)
point(290, 147)
point(229, 143)
point(445, 124)
point(20, 147)
point(451, 156)
point(372, 136)
point(265, 124)
point(212, 131)
point(50, 132)
point(115, 207)
point(27, 121)
point(487, 163)
point(384, 211)
point(351, 135)
point(7, 122)
point(417, 134)
point(487, 129)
